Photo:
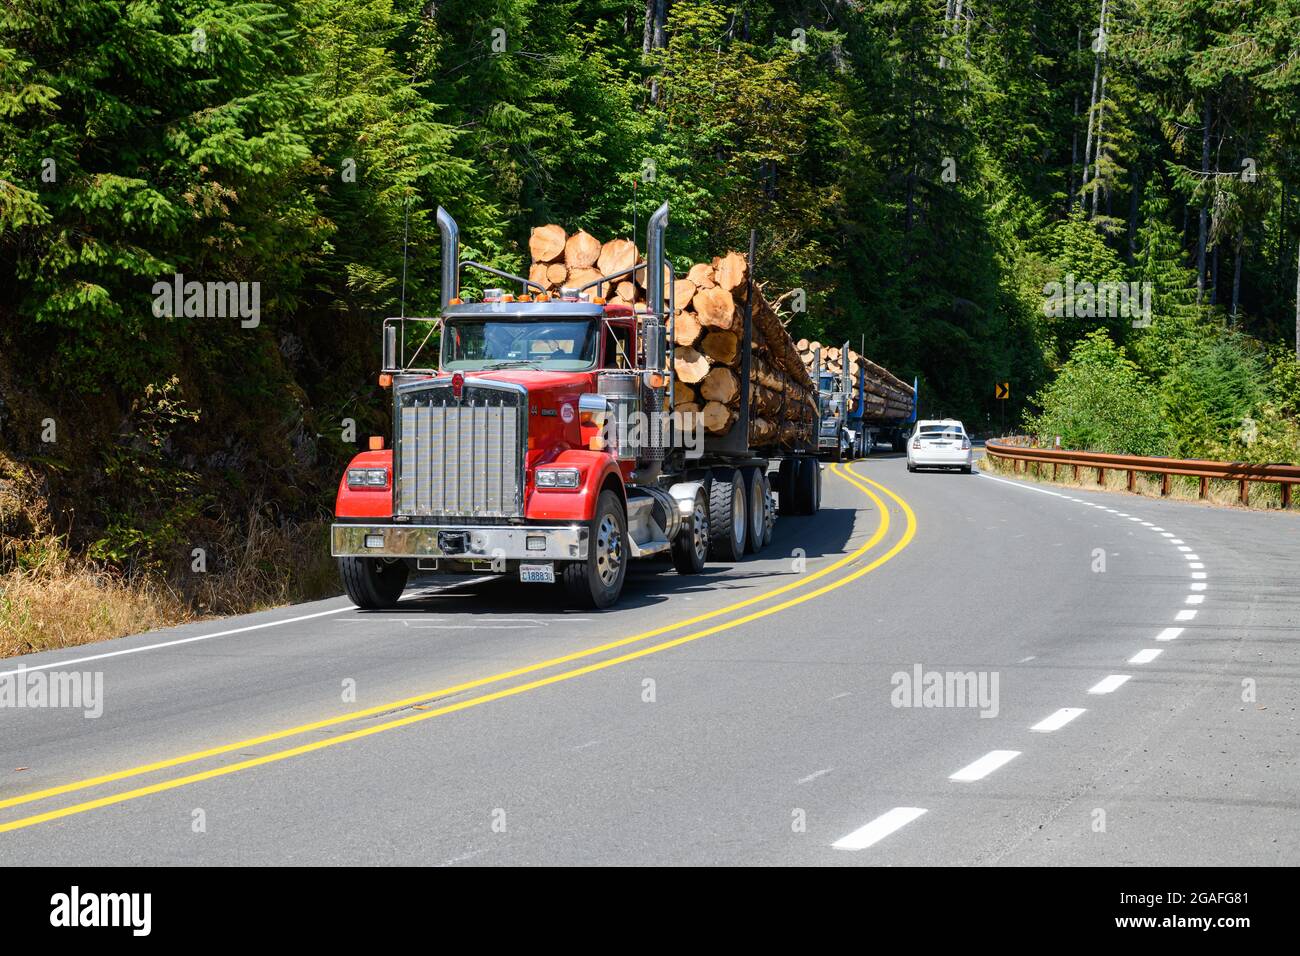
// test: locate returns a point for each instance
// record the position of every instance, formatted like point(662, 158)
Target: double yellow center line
point(844, 472)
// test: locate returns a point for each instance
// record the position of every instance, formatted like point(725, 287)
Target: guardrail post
point(1130, 479)
point(1286, 495)
point(1053, 471)
point(1243, 491)
point(1076, 472)
point(1164, 484)
point(1101, 476)
point(1205, 487)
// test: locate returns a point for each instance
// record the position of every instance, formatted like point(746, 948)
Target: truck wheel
point(769, 513)
point(691, 546)
point(728, 517)
point(807, 486)
point(756, 499)
point(786, 481)
point(373, 583)
point(598, 581)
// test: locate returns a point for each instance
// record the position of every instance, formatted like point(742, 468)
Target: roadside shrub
point(1100, 402)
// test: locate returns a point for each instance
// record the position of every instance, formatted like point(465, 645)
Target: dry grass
point(64, 603)
point(1263, 496)
point(51, 598)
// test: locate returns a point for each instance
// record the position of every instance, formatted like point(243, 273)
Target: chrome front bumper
point(463, 542)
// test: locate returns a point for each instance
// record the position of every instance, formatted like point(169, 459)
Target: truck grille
point(460, 458)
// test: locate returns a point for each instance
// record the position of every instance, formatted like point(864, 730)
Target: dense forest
point(950, 182)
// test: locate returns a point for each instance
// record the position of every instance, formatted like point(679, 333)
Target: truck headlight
point(367, 477)
point(560, 479)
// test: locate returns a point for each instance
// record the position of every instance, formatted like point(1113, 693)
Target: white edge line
point(184, 640)
point(234, 630)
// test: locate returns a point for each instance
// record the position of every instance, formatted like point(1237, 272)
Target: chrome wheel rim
point(609, 550)
point(738, 516)
point(700, 529)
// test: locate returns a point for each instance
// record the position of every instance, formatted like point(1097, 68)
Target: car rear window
point(942, 431)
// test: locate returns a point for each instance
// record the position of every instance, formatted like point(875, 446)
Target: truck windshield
point(568, 346)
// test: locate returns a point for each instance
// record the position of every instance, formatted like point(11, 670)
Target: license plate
point(537, 573)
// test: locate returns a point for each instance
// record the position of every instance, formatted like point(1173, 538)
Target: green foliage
point(1100, 402)
point(1210, 398)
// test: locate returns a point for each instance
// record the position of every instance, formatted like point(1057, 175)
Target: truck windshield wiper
point(513, 363)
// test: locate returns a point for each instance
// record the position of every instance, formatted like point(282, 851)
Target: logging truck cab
point(836, 438)
point(540, 446)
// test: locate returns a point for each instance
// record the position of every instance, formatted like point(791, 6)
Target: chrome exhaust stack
point(450, 256)
point(654, 289)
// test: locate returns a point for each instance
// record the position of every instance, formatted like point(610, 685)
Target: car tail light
point(965, 444)
point(916, 443)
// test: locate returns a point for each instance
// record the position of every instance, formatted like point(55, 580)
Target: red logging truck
point(543, 447)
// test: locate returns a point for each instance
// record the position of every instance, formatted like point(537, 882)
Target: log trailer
point(543, 446)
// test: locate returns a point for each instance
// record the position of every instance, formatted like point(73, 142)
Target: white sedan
point(940, 444)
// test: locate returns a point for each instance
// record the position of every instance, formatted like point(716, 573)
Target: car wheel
point(598, 581)
point(373, 583)
point(728, 516)
point(691, 546)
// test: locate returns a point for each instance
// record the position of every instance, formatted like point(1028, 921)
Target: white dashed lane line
point(985, 765)
point(878, 829)
point(1108, 684)
point(1145, 656)
point(895, 819)
point(1057, 720)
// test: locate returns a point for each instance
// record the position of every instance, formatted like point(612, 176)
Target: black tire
point(769, 512)
point(911, 467)
point(691, 546)
point(807, 478)
point(728, 517)
point(372, 583)
point(598, 581)
point(817, 485)
point(966, 469)
point(785, 486)
point(755, 501)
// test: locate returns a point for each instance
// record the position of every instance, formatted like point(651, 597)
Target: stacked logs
point(886, 396)
point(705, 338)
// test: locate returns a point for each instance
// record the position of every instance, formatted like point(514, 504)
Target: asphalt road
point(753, 715)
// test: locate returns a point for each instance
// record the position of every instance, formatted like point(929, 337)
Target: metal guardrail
point(1023, 452)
